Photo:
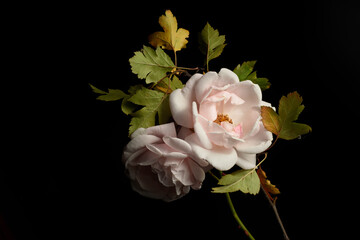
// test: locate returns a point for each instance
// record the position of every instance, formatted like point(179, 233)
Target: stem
point(191, 69)
point(273, 143)
point(273, 205)
point(175, 58)
point(233, 211)
point(213, 175)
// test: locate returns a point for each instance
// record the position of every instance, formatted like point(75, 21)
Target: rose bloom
point(159, 165)
point(225, 115)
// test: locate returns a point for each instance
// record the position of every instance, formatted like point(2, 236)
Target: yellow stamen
point(222, 118)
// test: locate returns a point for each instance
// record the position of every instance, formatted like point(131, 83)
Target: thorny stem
point(273, 205)
point(233, 211)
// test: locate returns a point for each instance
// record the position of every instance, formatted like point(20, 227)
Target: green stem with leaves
point(233, 211)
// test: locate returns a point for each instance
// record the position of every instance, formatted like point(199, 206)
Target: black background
point(63, 178)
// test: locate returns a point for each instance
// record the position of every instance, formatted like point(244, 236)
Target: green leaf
point(290, 108)
point(151, 65)
point(126, 106)
point(143, 118)
point(270, 120)
point(245, 72)
point(262, 82)
point(246, 181)
point(155, 104)
point(96, 90)
point(211, 44)
point(175, 83)
point(111, 95)
point(283, 124)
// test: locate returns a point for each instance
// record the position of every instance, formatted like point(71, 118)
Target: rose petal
point(181, 100)
point(217, 134)
point(142, 158)
point(177, 144)
point(229, 76)
point(204, 84)
point(165, 151)
point(189, 173)
point(246, 160)
point(184, 132)
point(199, 130)
point(219, 157)
point(247, 91)
point(257, 143)
point(139, 142)
point(162, 130)
point(146, 183)
point(249, 120)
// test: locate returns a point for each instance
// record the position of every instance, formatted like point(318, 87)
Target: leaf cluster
point(149, 105)
point(282, 123)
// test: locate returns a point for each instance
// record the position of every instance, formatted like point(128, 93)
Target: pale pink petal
point(228, 76)
point(177, 144)
point(189, 173)
point(209, 110)
point(184, 132)
point(204, 84)
point(165, 151)
point(162, 130)
point(199, 130)
point(258, 143)
point(181, 100)
point(246, 160)
point(248, 91)
point(146, 183)
point(198, 174)
point(139, 142)
point(212, 80)
point(249, 120)
point(219, 157)
point(138, 132)
point(220, 135)
point(266, 104)
point(142, 158)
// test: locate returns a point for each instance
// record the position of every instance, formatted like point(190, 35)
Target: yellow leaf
point(172, 38)
point(269, 188)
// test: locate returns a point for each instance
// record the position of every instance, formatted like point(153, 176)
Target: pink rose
point(225, 115)
point(159, 164)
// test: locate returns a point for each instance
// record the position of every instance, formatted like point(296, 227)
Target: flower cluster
point(215, 121)
point(220, 126)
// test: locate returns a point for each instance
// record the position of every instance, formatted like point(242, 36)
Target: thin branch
point(273, 205)
point(213, 175)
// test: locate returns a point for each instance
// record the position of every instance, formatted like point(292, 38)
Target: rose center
point(223, 118)
point(226, 122)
